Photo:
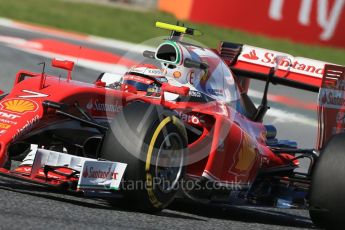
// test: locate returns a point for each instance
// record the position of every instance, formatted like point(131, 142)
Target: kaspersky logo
point(19, 105)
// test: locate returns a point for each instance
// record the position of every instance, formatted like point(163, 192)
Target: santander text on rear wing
point(255, 62)
point(324, 78)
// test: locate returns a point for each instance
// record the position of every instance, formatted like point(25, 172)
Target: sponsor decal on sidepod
point(190, 118)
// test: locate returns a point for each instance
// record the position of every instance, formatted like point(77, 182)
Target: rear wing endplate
point(331, 104)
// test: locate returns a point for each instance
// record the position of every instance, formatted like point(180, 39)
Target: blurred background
point(311, 28)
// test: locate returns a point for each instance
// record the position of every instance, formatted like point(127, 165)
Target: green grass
point(135, 26)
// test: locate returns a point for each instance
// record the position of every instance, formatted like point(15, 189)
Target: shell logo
point(19, 105)
point(177, 74)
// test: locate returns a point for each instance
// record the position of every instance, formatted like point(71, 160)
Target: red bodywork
point(231, 148)
point(228, 148)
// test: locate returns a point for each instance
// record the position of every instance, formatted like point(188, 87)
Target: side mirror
point(189, 63)
point(63, 64)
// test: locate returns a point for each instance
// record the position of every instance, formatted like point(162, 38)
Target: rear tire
point(327, 197)
point(153, 142)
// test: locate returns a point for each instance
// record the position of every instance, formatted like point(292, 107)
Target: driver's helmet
point(144, 77)
point(216, 81)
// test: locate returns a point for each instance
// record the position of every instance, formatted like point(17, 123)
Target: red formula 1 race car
point(187, 128)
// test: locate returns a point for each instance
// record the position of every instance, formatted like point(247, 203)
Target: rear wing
point(326, 79)
point(255, 62)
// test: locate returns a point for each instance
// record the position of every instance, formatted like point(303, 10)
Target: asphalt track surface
point(27, 206)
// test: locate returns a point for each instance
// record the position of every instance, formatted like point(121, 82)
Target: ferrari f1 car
point(152, 139)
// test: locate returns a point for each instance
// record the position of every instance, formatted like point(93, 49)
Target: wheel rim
point(169, 162)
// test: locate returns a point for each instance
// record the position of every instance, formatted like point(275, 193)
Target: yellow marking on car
point(167, 26)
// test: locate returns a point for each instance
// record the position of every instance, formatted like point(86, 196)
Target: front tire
point(153, 142)
point(327, 197)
